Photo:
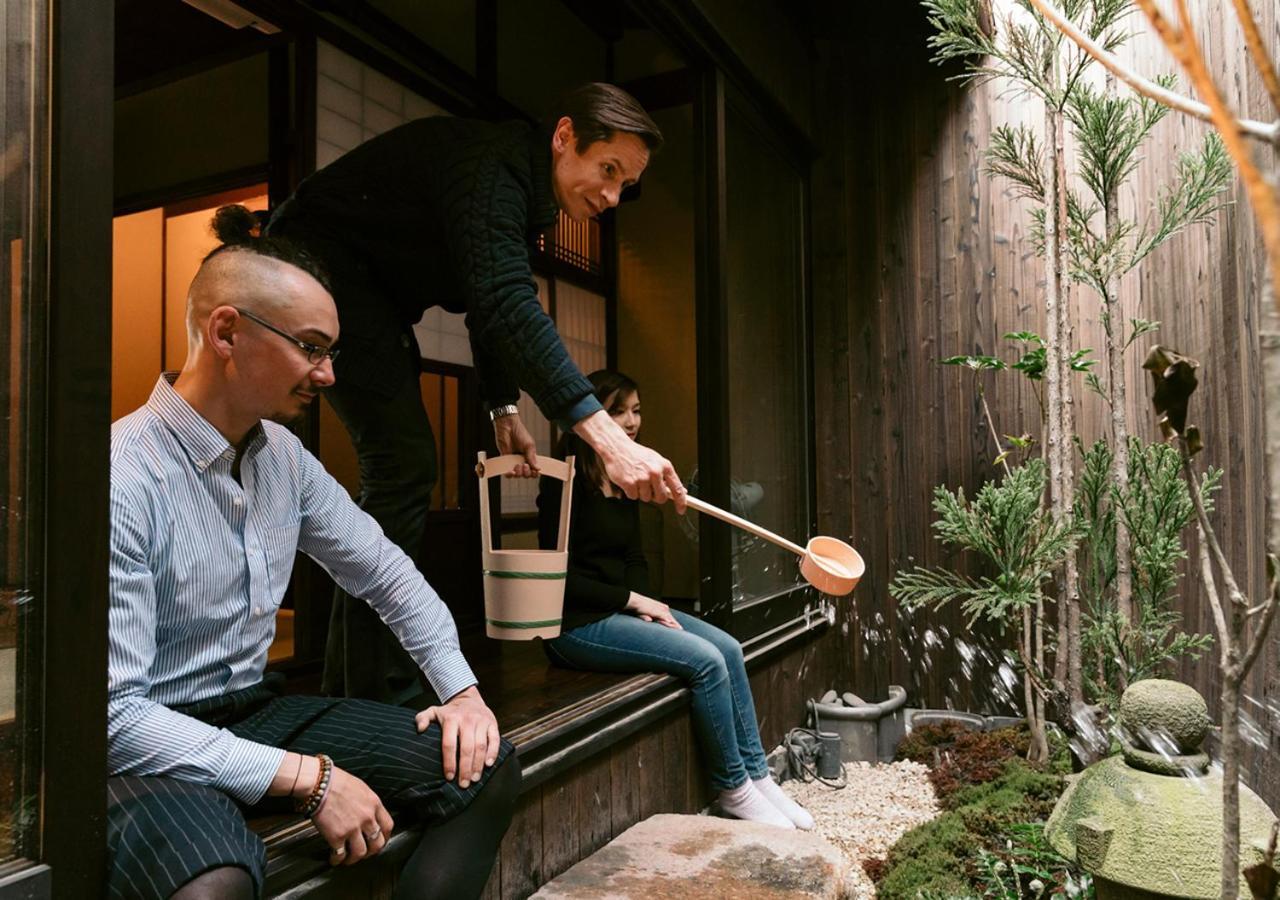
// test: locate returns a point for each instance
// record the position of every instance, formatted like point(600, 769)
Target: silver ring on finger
point(339, 852)
point(373, 835)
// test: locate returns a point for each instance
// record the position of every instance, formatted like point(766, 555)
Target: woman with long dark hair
point(611, 623)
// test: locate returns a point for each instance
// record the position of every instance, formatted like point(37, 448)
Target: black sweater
point(606, 562)
point(441, 212)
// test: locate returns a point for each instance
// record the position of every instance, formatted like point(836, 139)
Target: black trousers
point(377, 395)
point(397, 454)
point(162, 832)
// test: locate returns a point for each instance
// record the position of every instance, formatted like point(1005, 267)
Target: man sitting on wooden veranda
point(210, 500)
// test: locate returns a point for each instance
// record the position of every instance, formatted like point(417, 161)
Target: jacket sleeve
point(498, 387)
point(518, 346)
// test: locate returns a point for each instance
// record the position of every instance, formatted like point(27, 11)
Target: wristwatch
point(499, 411)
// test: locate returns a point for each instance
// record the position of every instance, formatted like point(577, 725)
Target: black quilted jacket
point(441, 212)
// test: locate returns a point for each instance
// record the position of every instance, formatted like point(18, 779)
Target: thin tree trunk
point(1040, 745)
point(1075, 671)
point(1053, 378)
point(1119, 407)
point(1231, 771)
point(1034, 725)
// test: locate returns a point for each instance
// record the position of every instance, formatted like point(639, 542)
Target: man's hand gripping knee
point(469, 735)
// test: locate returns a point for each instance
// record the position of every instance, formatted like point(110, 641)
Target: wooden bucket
point(524, 589)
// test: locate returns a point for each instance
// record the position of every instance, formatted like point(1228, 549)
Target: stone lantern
point(1148, 823)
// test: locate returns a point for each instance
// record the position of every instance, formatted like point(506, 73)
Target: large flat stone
point(705, 857)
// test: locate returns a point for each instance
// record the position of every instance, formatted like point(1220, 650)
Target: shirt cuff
point(587, 406)
point(451, 676)
point(249, 769)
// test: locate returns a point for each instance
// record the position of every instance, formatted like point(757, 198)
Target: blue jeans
point(724, 716)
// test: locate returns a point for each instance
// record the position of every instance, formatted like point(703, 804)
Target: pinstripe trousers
point(162, 832)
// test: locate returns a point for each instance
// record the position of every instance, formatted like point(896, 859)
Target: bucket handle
point(503, 465)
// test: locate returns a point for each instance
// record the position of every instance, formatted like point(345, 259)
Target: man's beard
point(288, 419)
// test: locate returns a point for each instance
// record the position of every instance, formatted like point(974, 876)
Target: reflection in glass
point(22, 289)
point(768, 427)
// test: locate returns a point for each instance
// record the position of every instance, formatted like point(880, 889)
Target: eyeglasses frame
point(308, 348)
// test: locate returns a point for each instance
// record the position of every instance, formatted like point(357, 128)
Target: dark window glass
point(768, 421)
point(23, 297)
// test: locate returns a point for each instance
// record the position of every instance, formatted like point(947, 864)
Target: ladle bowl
point(830, 565)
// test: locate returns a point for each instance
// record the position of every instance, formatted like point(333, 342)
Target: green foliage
point(985, 833)
point(1032, 363)
point(1020, 791)
point(1029, 867)
point(1140, 327)
point(1109, 131)
point(1015, 154)
point(1007, 525)
point(976, 363)
point(928, 860)
point(1156, 507)
point(966, 31)
point(1192, 198)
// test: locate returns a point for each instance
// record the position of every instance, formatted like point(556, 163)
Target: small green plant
point(1005, 524)
point(1027, 867)
point(1019, 541)
point(1156, 507)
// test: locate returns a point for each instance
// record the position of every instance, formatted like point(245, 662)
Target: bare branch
point(1269, 132)
point(1266, 206)
point(1258, 51)
point(1260, 635)
point(1234, 594)
point(1204, 529)
point(995, 435)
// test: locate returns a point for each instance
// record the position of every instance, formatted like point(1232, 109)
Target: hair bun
point(236, 225)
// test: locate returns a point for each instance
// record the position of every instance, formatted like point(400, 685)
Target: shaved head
point(261, 328)
point(239, 277)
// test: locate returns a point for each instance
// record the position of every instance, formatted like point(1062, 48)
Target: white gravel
point(879, 805)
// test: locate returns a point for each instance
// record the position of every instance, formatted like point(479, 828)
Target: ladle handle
point(703, 507)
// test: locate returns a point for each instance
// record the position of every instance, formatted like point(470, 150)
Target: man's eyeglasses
point(315, 353)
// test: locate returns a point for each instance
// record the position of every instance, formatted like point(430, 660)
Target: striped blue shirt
point(199, 566)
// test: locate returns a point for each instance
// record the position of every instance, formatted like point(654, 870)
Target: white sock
point(784, 804)
point(745, 802)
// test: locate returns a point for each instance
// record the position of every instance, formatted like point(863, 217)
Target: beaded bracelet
point(311, 805)
point(323, 797)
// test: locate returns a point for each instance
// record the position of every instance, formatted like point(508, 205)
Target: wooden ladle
point(830, 565)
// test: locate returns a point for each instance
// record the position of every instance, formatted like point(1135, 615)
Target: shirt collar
point(544, 209)
point(203, 443)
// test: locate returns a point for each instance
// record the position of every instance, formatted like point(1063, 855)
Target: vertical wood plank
point(624, 804)
point(650, 767)
point(561, 826)
point(521, 853)
point(593, 800)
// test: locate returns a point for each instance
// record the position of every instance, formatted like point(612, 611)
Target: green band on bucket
point(545, 623)
point(544, 576)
